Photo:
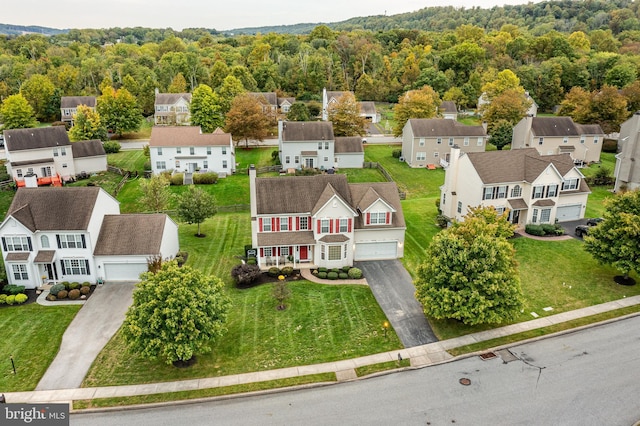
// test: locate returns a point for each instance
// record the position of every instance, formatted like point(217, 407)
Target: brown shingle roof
point(130, 234)
point(348, 144)
point(92, 148)
point(18, 257)
point(518, 204)
point(171, 98)
point(287, 99)
point(448, 106)
point(294, 131)
point(54, 209)
point(270, 98)
point(43, 137)
point(335, 238)
point(368, 108)
point(187, 136)
point(562, 126)
point(285, 238)
point(336, 95)
point(544, 203)
point(388, 192)
point(440, 127)
point(44, 256)
point(75, 101)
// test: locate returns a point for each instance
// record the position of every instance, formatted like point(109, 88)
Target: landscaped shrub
point(343, 275)
point(13, 289)
point(274, 271)
point(322, 269)
point(205, 178)
point(252, 261)
point(322, 275)
point(287, 271)
point(332, 275)
point(610, 145)
point(345, 269)
point(559, 230)
point(396, 153)
point(548, 229)
point(314, 272)
point(56, 288)
point(62, 294)
point(51, 297)
point(111, 147)
point(534, 230)
point(74, 294)
point(21, 298)
point(177, 179)
point(86, 284)
point(355, 273)
point(3, 299)
point(336, 270)
point(244, 274)
point(11, 299)
point(74, 286)
point(181, 257)
point(85, 290)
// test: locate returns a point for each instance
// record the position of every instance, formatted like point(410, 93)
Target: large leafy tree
point(155, 192)
point(510, 106)
point(16, 113)
point(502, 134)
point(39, 91)
point(606, 107)
point(177, 313)
point(119, 110)
point(246, 120)
point(195, 205)
point(298, 112)
point(614, 241)
point(87, 125)
point(205, 109)
point(227, 92)
point(421, 103)
point(470, 273)
point(346, 118)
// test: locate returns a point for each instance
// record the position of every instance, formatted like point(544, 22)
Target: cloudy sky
point(219, 15)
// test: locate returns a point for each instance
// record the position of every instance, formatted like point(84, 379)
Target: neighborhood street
point(582, 378)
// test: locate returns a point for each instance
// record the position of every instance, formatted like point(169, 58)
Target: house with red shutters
point(324, 221)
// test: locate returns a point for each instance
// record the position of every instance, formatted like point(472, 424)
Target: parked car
point(582, 230)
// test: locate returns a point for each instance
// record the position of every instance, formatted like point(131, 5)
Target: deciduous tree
point(177, 312)
point(16, 113)
point(298, 112)
point(38, 90)
point(87, 125)
point(421, 103)
point(246, 120)
point(346, 118)
point(511, 106)
point(205, 109)
point(195, 205)
point(119, 110)
point(155, 193)
point(502, 134)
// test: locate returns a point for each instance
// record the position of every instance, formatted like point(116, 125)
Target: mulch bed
point(620, 279)
point(32, 297)
point(66, 299)
point(265, 278)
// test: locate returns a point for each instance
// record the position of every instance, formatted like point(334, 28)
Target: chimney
point(254, 205)
point(484, 126)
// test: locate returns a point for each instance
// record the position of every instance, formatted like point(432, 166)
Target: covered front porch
point(280, 249)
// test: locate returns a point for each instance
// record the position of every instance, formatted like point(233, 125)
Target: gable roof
point(448, 107)
point(54, 208)
point(293, 131)
point(92, 148)
point(171, 98)
point(187, 136)
point(288, 100)
point(270, 98)
point(336, 94)
point(434, 127)
point(364, 195)
point(562, 126)
point(75, 101)
point(130, 234)
point(36, 138)
point(348, 144)
point(367, 108)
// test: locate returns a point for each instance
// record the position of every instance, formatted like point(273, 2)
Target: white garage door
point(565, 213)
point(376, 251)
point(123, 271)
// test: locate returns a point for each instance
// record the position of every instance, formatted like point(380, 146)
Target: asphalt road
point(585, 378)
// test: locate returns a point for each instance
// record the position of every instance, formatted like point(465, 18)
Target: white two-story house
point(535, 189)
point(78, 234)
point(172, 109)
point(559, 135)
point(427, 141)
point(187, 149)
point(627, 171)
point(322, 220)
point(69, 106)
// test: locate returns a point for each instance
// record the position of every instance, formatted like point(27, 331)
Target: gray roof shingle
point(294, 131)
point(130, 235)
point(92, 148)
point(448, 107)
point(440, 127)
point(76, 101)
point(171, 98)
point(36, 138)
point(562, 126)
point(348, 144)
point(271, 98)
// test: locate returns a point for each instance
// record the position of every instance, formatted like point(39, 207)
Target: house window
point(64, 165)
point(488, 193)
point(439, 141)
point(296, 159)
point(75, 267)
point(284, 223)
point(346, 247)
point(596, 139)
point(320, 145)
point(480, 141)
point(570, 184)
point(55, 152)
point(224, 164)
point(19, 173)
point(444, 198)
point(267, 251)
point(552, 190)
point(287, 159)
point(20, 272)
point(335, 252)
point(161, 165)
point(324, 226)
point(516, 191)
point(565, 140)
point(450, 141)
point(499, 210)
point(538, 192)
point(284, 251)
point(63, 151)
point(178, 150)
point(304, 223)
point(421, 156)
point(344, 225)
point(159, 151)
point(30, 170)
point(322, 252)
point(540, 141)
point(44, 241)
point(266, 224)
point(224, 150)
point(16, 243)
point(436, 154)
point(326, 145)
point(421, 143)
point(459, 206)
point(466, 141)
point(46, 171)
point(545, 215)
point(582, 139)
point(192, 150)
point(534, 219)
point(502, 191)
point(326, 159)
point(71, 241)
point(177, 164)
point(205, 164)
point(378, 218)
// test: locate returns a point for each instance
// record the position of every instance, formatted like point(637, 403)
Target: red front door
point(303, 253)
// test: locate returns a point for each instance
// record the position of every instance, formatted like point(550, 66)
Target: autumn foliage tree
point(16, 113)
point(422, 103)
point(346, 118)
point(246, 120)
point(155, 192)
point(119, 110)
point(87, 125)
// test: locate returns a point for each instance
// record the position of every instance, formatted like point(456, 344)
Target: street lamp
point(385, 326)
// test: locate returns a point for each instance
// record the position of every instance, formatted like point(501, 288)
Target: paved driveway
point(393, 288)
point(90, 330)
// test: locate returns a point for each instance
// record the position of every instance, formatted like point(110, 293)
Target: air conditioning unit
point(401, 159)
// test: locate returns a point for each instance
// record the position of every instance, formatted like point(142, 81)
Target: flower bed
point(66, 291)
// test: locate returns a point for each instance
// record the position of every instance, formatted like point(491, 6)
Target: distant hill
point(8, 29)
point(280, 29)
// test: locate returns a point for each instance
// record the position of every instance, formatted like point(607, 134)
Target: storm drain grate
point(488, 355)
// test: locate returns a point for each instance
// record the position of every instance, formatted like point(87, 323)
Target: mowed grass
point(32, 334)
point(132, 160)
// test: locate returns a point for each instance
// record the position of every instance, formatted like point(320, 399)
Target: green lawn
point(132, 160)
point(32, 334)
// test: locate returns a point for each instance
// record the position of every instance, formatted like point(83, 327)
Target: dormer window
point(377, 218)
point(570, 184)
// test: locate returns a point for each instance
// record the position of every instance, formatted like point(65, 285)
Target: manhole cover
point(488, 355)
point(465, 382)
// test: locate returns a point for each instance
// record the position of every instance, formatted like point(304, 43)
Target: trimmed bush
point(548, 229)
point(345, 269)
point(343, 275)
point(610, 145)
point(74, 294)
point(355, 273)
point(287, 271)
point(51, 297)
point(534, 230)
point(86, 284)
point(396, 153)
point(274, 271)
point(205, 178)
point(244, 274)
point(111, 147)
point(314, 272)
point(336, 270)
point(252, 261)
point(177, 179)
point(3, 299)
point(85, 290)
point(74, 286)
point(322, 275)
point(442, 221)
point(62, 294)
point(21, 298)
point(332, 275)
point(11, 299)
point(322, 269)
point(13, 289)
point(56, 288)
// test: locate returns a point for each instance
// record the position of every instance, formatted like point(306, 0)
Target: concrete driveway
point(393, 288)
point(88, 333)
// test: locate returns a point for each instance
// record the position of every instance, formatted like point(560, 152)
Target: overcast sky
point(212, 14)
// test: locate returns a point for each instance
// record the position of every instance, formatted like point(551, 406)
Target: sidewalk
point(420, 356)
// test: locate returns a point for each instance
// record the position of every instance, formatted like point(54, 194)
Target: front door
point(192, 167)
point(515, 216)
point(308, 163)
point(304, 254)
point(52, 272)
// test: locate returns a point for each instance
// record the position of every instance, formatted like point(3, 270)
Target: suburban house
point(187, 149)
point(558, 135)
point(268, 100)
point(45, 156)
point(533, 188)
point(329, 98)
point(627, 172)
point(172, 109)
point(69, 106)
point(448, 110)
point(284, 104)
point(323, 221)
point(311, 144)
point(532, 111)
point(426, 142)
point(78, 234)
point(369, 112)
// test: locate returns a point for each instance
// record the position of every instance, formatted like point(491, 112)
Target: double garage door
point(124, 271)
point(376, 251)
point(566, 213)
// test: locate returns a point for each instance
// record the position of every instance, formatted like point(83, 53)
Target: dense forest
point(551, 47)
